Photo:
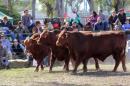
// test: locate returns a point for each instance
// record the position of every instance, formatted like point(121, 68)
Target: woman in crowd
point(93, 18)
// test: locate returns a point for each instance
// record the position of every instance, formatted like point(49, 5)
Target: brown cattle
point(39, 52)
point(94, 44)
point(60, 53)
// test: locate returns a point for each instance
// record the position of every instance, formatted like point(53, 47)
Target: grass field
point(27, 77)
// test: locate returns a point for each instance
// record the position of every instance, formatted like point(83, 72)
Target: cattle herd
point(77, 47)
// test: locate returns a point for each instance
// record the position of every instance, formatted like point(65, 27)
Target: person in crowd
point(37, 28)
point(74, 27)
point(88, 26)
point(126, 26)
point(21, 31)
point(6, 23)
point(18, 50)
point(66, 26)
point(48, 24)
point(26, 19)
point(7, 27)
point(112, 19)
point(103, 17)
point(4, 63)
point(93, 18)
point(122, 16)
point(99, 25)
point(6, 44)
point(56, 23)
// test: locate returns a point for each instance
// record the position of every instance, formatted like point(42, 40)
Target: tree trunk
point(91, 5)
point(10, 8)
point(59, 8)
point(33, 8)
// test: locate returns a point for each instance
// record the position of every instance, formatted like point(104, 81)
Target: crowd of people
point(11, 38)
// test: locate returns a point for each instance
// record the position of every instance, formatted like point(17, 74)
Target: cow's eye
point(62, 37)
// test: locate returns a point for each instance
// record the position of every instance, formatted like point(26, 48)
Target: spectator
point(8, 27)
point(18, 50)
point(103, 17)
point(126, 26)
point(66, 26)
point(6, 23)
point(74, 26)
point(37, 28)
point(26, 19)
point(122, 16)
point(6, 44)
point(56, 23)
point(21, 31)
point(99, 25)
point(3, 57)
point(93, 18)
point(112, 19)
point(88, 27)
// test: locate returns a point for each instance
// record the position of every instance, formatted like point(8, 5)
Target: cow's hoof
point(42, 69)
point(36, 70)
point(74, 72)
point(50, 71)
point(98, 70)
point(66, 71)
point(114, 71)
point(85, 71)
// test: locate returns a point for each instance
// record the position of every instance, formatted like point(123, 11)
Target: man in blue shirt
point(126, 26)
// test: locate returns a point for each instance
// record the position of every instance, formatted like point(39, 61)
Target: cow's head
point(29, 44)
point(62, 38)
point(45, 38)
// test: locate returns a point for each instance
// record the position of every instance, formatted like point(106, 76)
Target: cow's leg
point(97, 64)
point(42, 68)
point(66, 66)
point(117, 62)
point(49, 58)
point(84, 65)
point(52, 63)
point(37, 68)
point(78, 61)
point(124, 62)
point(72, 62)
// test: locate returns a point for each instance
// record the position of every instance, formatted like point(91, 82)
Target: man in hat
point(3, 57)
point(122, 16)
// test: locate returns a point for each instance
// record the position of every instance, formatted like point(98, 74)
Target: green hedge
point(16, 16)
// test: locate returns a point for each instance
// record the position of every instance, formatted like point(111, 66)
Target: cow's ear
point(44, 34)
point(66, 35)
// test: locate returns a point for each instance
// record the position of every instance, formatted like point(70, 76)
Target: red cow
point(39, 52)
point(60, 53)
point(94, 44)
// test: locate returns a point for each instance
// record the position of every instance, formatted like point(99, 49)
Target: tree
point(59, 7)
point(74, 4)
point(49, 4)
point(91, 5)
point(33, 8)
